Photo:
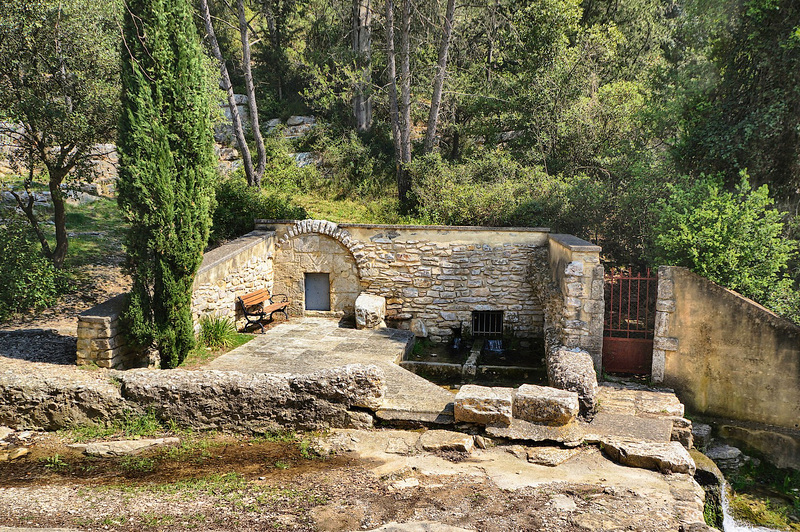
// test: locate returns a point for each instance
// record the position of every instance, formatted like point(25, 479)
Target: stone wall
point(232, 270)
point(725, 355)
point(576, 271)
point(432, 277)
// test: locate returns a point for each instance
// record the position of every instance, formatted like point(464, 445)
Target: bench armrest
point(278, 298)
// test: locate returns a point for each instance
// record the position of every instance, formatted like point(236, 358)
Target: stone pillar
point(665, 308)
point(100, 339)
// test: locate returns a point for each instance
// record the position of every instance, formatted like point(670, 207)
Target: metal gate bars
point(630, 300)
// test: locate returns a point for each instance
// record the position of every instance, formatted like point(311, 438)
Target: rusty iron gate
point(629, 321)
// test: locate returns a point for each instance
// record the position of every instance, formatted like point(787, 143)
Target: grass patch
point(766, 495)
point(131, 425)
point(217, 332)
point(201, 355)
point(763, 512)
point(367, 210)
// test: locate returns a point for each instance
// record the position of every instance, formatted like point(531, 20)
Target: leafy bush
point(238, 205)
point(27, 279)
point(217, 332)
point(733, 238)
point(491, 191)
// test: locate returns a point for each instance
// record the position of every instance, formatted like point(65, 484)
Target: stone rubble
point(445, 440)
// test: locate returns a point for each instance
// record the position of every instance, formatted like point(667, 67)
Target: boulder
point(483, 405)
point(445, 440)
point(418, 328)
point(670, 457)
point(122, 447)
point(300, 120)
point(370, 311)
point(573, 370)
point(541, 404)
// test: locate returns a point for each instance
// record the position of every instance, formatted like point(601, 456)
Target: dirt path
point(227, 482)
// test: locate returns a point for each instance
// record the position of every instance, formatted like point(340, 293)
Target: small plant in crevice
point(217, 332)
point(55, 463)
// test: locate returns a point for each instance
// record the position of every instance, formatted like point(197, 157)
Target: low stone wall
point(335, 398)
point(232, 270)
point(725, 355)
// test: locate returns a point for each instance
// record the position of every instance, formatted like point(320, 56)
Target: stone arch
point(312, 246)
point(324, 227)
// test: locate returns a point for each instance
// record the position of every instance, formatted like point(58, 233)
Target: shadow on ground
point(38, 345)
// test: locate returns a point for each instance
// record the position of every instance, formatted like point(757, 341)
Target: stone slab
point(542, 404)
point(606, 425)
point(122, 447)
point(570, 434)
point(670, 457)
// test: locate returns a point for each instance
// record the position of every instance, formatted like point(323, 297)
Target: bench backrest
point(254, 298)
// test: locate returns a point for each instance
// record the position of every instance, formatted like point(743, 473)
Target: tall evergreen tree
point(166, 169)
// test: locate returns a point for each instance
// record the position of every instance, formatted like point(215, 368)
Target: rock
point(370, 311)
point(481, 442)
point(122, 447)
point(418, 328)
point(5, 432)
point(701, 434)
point(256, 402)
point(712, 481)
point(570, 434)
point(728, 458)
point(517, 451)
point(418, 526)
point(445, 440)
point(682, 432)
point(272, 124)
point(483, 405)
point(573, 370)
point(13, 454)
point(300, 120)
point(550, 456)
point(541, 404)
point(670, 457)
point(404, 484)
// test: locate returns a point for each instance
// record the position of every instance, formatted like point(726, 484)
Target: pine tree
point(166, 170)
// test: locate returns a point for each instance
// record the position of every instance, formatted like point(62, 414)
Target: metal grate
point(630, 304)
point(487, 322)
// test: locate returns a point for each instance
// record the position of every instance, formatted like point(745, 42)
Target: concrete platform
point(310, 344)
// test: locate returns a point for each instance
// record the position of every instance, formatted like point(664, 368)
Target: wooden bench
point(255, 311)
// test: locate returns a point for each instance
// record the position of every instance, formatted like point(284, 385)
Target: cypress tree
point(166, 170)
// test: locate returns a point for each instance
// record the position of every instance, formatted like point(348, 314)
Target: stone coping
point(260, 223)
point(230, 250)
point(107, 310)
point(573, 243)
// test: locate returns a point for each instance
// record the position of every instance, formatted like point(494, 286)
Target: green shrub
point(238, 205)
point(493, 190)
point(27, 279)
point(733, 238)
point(217, 332)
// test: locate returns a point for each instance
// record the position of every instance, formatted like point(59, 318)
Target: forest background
point(666, 131)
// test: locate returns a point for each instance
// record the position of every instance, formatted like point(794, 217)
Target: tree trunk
point(403, 178)
point(251, 96)
point(59, 217)
point(394, 115)
point(362, 101)
point(238, 129)
point(438, 81)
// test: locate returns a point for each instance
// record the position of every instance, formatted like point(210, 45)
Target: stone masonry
point(100, 340)
point(432, 277)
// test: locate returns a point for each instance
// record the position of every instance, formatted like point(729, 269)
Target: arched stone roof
point(324, 227)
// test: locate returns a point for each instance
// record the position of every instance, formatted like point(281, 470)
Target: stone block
point(574, 268)
point(669, 457)
point(665, 305)
point(483, 405)
point(666, 289)
point(370, 311)
point(418, 328)
point(573, 370)
point(666, 344)
point(541, 404)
